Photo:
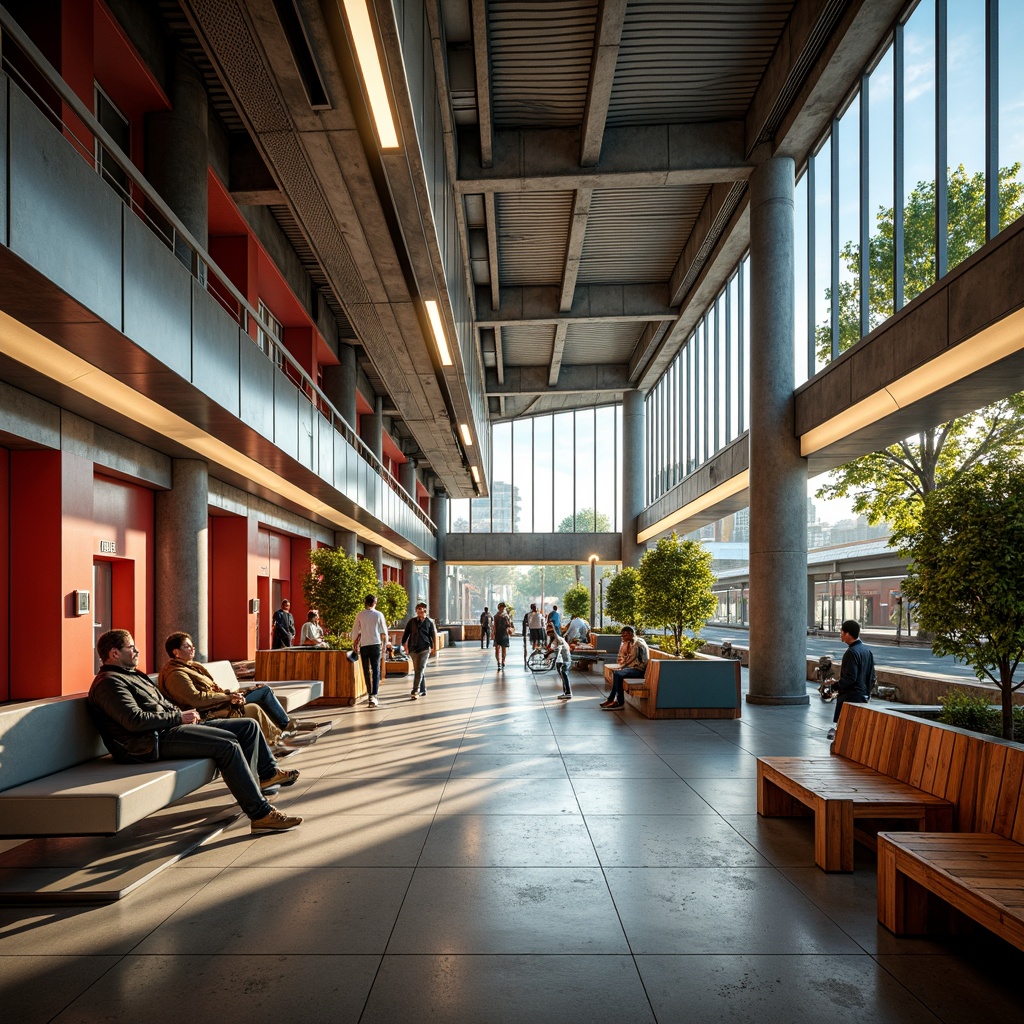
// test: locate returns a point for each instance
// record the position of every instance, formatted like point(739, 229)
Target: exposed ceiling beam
point(533, 380)
point(610, 16)
point(499, 356)
point(591, 302)
point(556, 355)
point(481, 51)
point(577, 232)
point(535, 159)
point(491, 222)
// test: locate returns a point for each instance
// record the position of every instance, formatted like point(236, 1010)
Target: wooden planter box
point(343, 679)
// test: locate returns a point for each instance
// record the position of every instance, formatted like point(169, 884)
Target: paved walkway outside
point(492, 854)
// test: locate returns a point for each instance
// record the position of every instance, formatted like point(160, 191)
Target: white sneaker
point(413, 695)
point(565, 696)
point(373, 702)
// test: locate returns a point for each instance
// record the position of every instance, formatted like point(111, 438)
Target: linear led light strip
point(36, 351)
point(997, 342)
point(373, 74)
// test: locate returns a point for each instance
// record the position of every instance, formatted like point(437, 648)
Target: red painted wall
point(232, 585)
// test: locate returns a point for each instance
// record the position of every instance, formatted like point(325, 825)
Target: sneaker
point(565, 696)
point(423, 693)
point(614, 707)
point(275, 821)
point(606, 704)
point(282, 777)
point(413, 695)
point(305, 725)
point(831, 735)
point(373, 702)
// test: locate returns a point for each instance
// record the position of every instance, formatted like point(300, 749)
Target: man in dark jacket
point(857, 674)
point(418, 640)
point(138, 725)
point(284, 626)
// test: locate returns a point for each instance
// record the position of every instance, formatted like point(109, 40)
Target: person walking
point(503, 629)
point(563, 659)
point(369, 639)
point(857, 673)
point(486, 618)
point(418, 640)
point(535, 622)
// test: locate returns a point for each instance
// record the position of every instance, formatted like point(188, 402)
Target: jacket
point(857, 674)
point(418, 636)
point(188, 684)
point(129, 713)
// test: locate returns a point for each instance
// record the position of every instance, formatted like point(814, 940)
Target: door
point(102, 603)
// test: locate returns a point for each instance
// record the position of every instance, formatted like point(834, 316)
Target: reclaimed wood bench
point(978, 872)
point(884, 766)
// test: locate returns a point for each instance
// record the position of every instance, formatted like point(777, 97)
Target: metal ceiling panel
point(605, 342)
point(685, 61)
point(540, 53)
point(527, 344)
point(533, 232)
point(636, 235)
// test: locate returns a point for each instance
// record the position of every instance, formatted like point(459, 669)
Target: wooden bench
point(884, 766)
point(701, 687)
point(978, 871)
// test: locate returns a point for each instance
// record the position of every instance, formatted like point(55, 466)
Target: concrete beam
point(249, 179)
point(481, 51)
point(532, 548)
point(573, 251)
point(590, 302)
point(536, 159)
point(610, 16)
point(533, 380)
point(556, 355)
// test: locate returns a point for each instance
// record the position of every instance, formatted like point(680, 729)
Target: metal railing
point(144, 201)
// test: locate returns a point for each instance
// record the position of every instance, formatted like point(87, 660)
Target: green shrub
point(970, 712)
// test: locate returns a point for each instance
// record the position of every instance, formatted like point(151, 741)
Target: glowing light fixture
point(724, 490)
point(373, 74)
point(476, 474)
point(434, 316)
point(467, 437)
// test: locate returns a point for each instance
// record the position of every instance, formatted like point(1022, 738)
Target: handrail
point(200, 261)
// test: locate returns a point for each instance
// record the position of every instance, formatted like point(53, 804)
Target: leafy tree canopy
point(622, 597)
point(891, 485)
point(576, 601)
point(967, 561)
point(675, 588)
point(337, 585)
point(586, 520)
point(392, 602)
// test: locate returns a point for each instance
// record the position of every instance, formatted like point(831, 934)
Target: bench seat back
point(40, 737)
point(692, 683)
point(982, 776)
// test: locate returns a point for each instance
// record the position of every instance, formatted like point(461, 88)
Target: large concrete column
point(408, 574)
point(177, 149)
point(346, 541)
point(407, 477)
point(633, 420)
point(375, 554)
point(340, 383)
point(181, 561)
point(778, 474)
point(372, 428)
point(438, 609)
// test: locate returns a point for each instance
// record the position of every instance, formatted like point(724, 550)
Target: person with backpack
point(485, 629)
point(633, 657)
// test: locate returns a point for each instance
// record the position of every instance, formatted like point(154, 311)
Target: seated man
point(138, 725)
point(312, 634)
point(578, 631)
point(189, 685)
point(633, 657)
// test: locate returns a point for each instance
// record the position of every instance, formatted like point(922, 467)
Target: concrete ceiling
point(600, 151)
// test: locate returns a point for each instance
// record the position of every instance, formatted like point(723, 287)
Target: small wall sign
point(108, 547)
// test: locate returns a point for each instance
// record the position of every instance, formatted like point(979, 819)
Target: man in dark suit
point(857, 674)
point(284, 625)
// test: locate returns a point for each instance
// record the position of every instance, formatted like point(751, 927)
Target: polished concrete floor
point(492, 854)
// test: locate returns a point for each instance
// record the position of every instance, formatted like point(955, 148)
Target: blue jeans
point(267, 699)
point(419, 661)
point(563, 674)
point(241, 757)
point(617, 677)
point(370, 654)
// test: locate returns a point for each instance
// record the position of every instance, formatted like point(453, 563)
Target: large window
point(921, 166)
point(700, 404)
point(557, 473)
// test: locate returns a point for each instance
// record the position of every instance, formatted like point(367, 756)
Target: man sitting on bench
point(138, 725)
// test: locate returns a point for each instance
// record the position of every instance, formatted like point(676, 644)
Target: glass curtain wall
point(920, 168)
point(701, 402)
point(559, 473)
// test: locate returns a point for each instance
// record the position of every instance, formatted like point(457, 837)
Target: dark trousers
point(618, 676)
point(237, 747)
point(370, 654)
point(267, 699)
point(853, 697)
point(485, 636)
point(564, 676)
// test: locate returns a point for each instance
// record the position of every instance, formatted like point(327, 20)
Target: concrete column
point(181, 582)
point(177, 149)
point(340, 383)
point(778, 474)
point(375, 553)
point(438, 604)
point(346, 541)
point(811, 624)
point(408, 574)
point(633, 419)
point(407, 477)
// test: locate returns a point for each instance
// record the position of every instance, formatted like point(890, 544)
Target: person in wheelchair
point(558, 647)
